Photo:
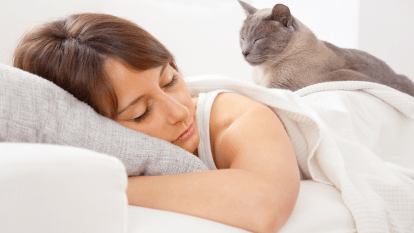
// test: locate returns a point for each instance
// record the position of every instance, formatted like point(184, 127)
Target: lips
point(188, 133)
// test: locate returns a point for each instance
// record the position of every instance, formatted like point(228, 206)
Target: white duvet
point(341, 133)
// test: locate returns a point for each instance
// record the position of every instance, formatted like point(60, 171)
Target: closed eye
point(257, 40)
point(147, 111)
point(173, 82)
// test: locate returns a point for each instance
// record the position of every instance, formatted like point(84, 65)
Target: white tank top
point(204, 104)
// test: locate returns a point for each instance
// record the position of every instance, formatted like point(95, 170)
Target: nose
point(245, 53)
point(174, 110)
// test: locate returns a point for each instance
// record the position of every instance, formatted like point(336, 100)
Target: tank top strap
point(204, 104)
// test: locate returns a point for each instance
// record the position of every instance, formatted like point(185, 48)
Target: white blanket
point(341, 132)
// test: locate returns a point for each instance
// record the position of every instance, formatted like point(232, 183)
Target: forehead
point(120, 72)
point(260, 14)
point(129, 81)
point(259, 24)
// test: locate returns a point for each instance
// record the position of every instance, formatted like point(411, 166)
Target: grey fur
point(248, 8)
point(286, 54)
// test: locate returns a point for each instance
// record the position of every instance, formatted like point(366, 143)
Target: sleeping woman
point(127, 75)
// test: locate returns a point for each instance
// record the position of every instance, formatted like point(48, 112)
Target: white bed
point(319, 209)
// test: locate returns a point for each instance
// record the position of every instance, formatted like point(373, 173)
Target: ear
point(281, 13)
point(249, 9)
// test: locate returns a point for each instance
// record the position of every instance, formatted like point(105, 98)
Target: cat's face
point(264, 34)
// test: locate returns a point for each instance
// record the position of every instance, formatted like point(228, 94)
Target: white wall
point(335, 21)
point(16, 16)
point(387, 31)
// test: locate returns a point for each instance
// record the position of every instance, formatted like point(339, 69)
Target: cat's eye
point(257, 40)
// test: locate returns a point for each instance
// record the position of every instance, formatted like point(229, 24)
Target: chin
point(255, 63)
point(195, 142)
point(191, 144)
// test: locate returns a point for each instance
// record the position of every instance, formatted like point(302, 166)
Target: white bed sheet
point(340, 131)
point(319, 209)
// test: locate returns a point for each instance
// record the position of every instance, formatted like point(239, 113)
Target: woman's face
point(155, 102)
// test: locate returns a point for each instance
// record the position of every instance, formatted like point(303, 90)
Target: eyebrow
point(139, 98)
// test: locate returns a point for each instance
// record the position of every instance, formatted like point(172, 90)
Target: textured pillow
point(203, 35)
point(33, 109)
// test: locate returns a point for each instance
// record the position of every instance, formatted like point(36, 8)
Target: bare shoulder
point(250, 137)
point(226, 109)
point(232, 105)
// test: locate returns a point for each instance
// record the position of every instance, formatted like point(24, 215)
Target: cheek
point(147, 131)
point(182, 94)
point(259, 48)
point(139, 127)
point(281, 41)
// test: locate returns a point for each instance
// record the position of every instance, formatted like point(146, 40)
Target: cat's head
point(266, 33)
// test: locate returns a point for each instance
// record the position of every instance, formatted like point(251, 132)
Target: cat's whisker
point(254, 57)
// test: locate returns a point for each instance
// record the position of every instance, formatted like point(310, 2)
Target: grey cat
point(286, 54)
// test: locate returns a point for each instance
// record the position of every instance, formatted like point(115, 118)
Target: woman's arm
point(257, 142)
point(231, 196)
point(260, 190)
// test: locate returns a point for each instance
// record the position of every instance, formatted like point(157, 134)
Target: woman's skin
point(170, 110)
point(257, 184)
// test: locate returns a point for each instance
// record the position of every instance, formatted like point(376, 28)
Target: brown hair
point(72, 53)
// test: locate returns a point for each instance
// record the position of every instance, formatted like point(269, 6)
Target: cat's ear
point(281, 13)
point(249, 9)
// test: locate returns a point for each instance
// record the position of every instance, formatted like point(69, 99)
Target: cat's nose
point(245, 53)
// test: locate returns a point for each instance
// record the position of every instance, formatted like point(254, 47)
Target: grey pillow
point(35, 110)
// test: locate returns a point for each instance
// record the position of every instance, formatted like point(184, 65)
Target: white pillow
point(203, 35)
